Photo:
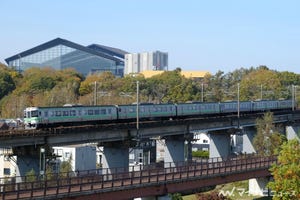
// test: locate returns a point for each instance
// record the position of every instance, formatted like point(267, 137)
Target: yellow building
point(187, 74)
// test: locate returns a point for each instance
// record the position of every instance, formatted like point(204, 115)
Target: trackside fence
point(113, 179)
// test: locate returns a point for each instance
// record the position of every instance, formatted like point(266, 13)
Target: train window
point(46, 113)
point(72, 113)
point(164, 109)
point(58, 113)
point(65, 113)
point(103, 111)
point(52, 113)
point(79, 112)
point(109, 111)
point(142, 109)
point(85, 112)
point(131, 110)
point(34, 113)
point(97, 112)
point(90, 112)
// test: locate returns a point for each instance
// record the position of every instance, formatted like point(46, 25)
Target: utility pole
point(95, 93)
point(202, 88)
point(137, 108)
point(261, 92)
point(293, 97)
point(238, 105)
point(238, 95)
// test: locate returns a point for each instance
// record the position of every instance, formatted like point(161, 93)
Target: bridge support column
point(166, 197)
point(30, 157)
point(176, 150)
point(257, 186)
point(248, 135)
point(292, 132)
point(219, 144)
point(116, 154)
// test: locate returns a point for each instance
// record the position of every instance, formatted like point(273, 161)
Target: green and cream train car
point(36, 117)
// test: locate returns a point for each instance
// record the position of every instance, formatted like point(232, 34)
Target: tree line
point(48, 87)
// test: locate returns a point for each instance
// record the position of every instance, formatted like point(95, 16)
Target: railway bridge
point(117, 138)
point(146, 181)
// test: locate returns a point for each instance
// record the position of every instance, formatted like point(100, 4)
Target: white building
point(83, 157)
point(7, 163)
point(201, 142)
point(139, 62)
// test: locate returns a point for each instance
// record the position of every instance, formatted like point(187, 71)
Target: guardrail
point(107, 180)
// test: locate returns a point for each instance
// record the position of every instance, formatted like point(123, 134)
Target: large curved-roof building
point(60, 54)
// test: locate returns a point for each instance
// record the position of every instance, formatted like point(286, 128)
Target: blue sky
point(198, 35)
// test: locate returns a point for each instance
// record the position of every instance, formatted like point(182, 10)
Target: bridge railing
point(94, 180)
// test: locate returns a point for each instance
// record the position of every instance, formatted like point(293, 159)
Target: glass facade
point(61, 57)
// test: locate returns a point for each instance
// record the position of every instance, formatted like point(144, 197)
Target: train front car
point(31, 117)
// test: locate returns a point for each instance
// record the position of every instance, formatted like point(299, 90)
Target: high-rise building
point(60, 54)
point(139, 62)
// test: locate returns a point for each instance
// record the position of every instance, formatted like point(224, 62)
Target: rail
point(107, 180)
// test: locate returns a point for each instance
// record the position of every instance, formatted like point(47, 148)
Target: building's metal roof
point(108, 50)
point(187, 74)
point(194, 74)
point(59, 41)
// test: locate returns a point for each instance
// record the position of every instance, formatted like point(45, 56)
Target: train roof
point(54, 107)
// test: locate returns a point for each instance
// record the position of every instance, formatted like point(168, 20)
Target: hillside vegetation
point(48, 87)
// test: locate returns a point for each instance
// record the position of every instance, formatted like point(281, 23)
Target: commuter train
point(39, 117)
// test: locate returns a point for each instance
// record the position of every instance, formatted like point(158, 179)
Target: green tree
point(7, 84)
point(175, 196)
point(211, 196)
point(230, 82)
point(268, 139)
point(49, 173)
point(65, 168)
point(286, 172)
point(38, 79)
point(167, 87)
point(261, 80)
point(30, 176)
point(215, 90)
point(288, 79)
point(104, 81)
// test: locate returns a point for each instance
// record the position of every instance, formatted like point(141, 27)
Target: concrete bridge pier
point(177, 149)
point(293, 132)
point(248, 135)
point(165, 197)
point(219, 144)
point(116, 155)
point(30, 157)
point(257, 186)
